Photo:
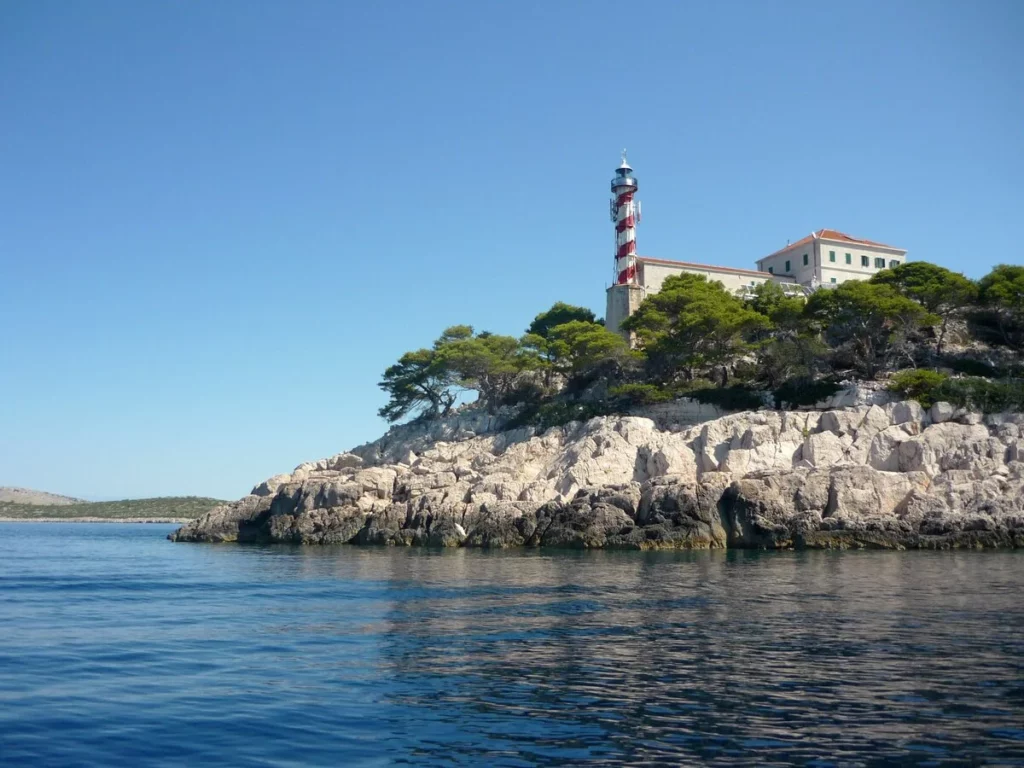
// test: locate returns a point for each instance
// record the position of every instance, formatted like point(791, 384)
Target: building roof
point(694, 265)
point(835, 236)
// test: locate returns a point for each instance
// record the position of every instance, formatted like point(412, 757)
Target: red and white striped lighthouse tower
point(626, 215)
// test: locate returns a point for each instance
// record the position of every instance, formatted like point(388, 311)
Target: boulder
point(446, 533)
point(581, 525)
point(823, 449)
point(269, 487)
point(941, 412)
point(344, 461)
point(883, 452)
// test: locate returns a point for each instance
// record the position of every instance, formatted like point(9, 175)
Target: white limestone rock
point(823, 449)
point(941, 412)
point(269, 486)
point(876, 473)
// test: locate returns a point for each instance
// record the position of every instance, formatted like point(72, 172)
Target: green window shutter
point(833, 279)
point(865, 261)
point(805, 259)
point(787, 266)
point(849, 259)
point(831, 255)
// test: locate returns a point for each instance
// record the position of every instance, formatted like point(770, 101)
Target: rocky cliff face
point(870, 474)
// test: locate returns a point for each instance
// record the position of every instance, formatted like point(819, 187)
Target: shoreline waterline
point(162, 520)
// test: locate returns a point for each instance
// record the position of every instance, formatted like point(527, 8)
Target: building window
point(787, 267)
point(879, 263)
point(831, 255)
point(865, 261)
point(893, 263)
point(771, 270)
point(849, 259)
point(805, 259)
point(833, 279)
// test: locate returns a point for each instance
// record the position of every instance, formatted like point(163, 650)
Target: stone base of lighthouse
point(623, 301)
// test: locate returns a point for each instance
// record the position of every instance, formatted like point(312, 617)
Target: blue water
point(118, 647)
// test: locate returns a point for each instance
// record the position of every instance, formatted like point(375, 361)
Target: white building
point(823, 259)
point(829, 257)
point(651, 273)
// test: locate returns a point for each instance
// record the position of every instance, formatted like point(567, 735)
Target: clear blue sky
point(220, 221)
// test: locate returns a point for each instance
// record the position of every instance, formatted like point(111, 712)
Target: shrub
point(641, 394)
point(801, 391)
point(970, 367)
point(559, 412)
point(921, 385)
point(738, 397)
point(989, 396)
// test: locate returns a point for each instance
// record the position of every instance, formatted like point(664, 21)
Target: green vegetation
point(920, 385)
point(939, 291)
point(919, 323)
point(797, 392)
point(189, 507)
point(693, 328)
point(870, 326)
point(1002, 291)
point(988, 395)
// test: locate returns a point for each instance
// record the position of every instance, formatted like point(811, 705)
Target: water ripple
point(118, 646)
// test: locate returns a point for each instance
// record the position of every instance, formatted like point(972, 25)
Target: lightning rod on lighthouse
point(626, 214)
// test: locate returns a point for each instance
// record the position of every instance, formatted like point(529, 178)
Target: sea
point(118, 647)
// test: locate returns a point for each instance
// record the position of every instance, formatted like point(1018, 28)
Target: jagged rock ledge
point(861, 472)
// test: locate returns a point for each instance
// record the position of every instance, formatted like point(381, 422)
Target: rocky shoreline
point(859, 471)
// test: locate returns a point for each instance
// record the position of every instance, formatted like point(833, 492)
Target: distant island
point(11, 495)
point(22, 504)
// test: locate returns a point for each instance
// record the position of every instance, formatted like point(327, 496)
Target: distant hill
point(36, 498)
point(172, 508)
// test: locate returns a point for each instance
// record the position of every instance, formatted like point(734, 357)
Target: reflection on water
point(119, 646)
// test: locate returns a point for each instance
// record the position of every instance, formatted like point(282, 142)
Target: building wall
point(842, 271)
point(622, 301)
point(652, 275)
point(821, 267)
point(794, 255)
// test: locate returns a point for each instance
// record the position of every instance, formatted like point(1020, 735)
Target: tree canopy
point(485, 362)
point(559, 314)
point(940, 291)
point(1002, 290)
point(872, 321)
point(691, 326)
point(419, 383)
point(785, 312)
point(577, 349)
point(696, 338)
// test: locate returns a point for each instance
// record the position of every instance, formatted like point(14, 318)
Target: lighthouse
point(626, 292)
point(625, 211)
